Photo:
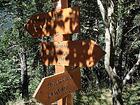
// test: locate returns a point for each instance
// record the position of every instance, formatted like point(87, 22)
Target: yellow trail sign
point(62, 21)
point(82, 53)
point(57, 86)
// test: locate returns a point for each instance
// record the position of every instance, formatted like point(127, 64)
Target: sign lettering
point(57, 86)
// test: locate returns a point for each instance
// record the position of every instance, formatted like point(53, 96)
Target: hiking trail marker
point(81, 53)
point(62, 22)
point(67, 56)
point(58, 86)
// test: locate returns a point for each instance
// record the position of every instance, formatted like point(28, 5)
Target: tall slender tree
point(115, 36)
point(22, 52)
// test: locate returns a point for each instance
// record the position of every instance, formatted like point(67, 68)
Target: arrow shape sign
point(84, 53)
point(63, 21)
point(57, 86)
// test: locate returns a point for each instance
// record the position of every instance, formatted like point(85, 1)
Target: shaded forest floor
point(131, 96)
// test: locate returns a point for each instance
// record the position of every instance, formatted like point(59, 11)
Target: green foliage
point(12, 38)
point(9, 80)
point(20, 101)
point(136, 20)
point(131, 94)
point(96, 97)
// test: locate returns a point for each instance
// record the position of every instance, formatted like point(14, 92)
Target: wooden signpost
point(58, 86)
point(62, 22)
point(81, 53)
point(59, 4)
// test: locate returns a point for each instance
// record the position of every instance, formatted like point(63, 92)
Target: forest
point(113, 24)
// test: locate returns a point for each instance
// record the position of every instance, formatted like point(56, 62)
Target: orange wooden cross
point(60, 23)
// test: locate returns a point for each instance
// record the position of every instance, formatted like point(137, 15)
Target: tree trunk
point(24, 74)
point(22, 53)
point(110, 39)
point(117, 94)
point(109, 17)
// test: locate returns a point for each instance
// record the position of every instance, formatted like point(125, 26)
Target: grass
point(131, 96)
point(101, 97)
point(22, 102)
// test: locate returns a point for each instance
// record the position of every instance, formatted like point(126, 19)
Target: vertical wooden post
point(59, 69)
point(60, 4)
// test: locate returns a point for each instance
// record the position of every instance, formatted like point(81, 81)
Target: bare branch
point(137, 26)
point(133, 69)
